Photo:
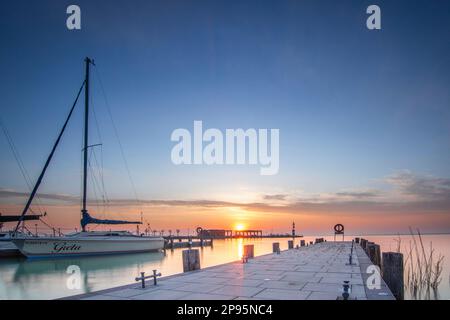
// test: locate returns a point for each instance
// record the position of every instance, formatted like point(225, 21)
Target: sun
point(239, 227)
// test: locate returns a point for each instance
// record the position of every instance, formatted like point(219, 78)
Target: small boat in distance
point(85, 242)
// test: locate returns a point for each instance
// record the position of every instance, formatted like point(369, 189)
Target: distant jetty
point(236, 234)
point(205, 237)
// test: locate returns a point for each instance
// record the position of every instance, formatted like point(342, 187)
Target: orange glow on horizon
point(239, 227)
point(188, 218)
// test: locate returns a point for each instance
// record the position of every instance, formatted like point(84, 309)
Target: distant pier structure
point(248, 234)
point(233, 234)
point(214, 233)
point(226, 233)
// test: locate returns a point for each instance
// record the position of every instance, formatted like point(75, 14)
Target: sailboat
point(85, 242)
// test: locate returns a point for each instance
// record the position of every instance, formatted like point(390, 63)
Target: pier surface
point(315, 272)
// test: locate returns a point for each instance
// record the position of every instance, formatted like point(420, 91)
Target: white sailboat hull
point(8, 249)
point(85, 246)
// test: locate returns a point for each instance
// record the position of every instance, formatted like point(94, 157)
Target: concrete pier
point(315, 272)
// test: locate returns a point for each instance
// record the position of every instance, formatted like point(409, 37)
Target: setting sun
point(239, 227)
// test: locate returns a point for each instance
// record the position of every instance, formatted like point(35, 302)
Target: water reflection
point(88, 265)
point(240, 245)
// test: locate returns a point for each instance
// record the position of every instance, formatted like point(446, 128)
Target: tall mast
point(86, 135)
point(41, 176)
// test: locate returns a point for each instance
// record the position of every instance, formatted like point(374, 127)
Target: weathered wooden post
point(191, 260)
point(356, 240)
point(374, 254)
point(363, 243)
point(392, 273)
point(302, 243)
point(369, 243)
point(290, 244)
point(249, 251)
point(276, 247)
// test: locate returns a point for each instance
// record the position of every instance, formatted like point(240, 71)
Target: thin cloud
point(6, 193)
point(420, 187)
point(277, 197)
point(359, 194)
point(429, 194)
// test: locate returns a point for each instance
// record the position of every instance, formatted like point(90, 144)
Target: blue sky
point(353, 106)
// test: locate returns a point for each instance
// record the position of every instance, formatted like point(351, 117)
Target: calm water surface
point(46, 279)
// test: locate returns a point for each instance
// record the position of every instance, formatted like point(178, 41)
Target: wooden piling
point(392, 272)
point(369, 243)
point(290, 244)
point(363, 243)
point(374, 254)
point(356, 240)
point(191, 260)
point(276, 247)
point(249, 251)
point(302, 243)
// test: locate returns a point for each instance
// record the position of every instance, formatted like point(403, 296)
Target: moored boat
point(88, 243)
point(84, 242)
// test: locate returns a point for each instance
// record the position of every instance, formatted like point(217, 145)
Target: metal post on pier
point(350, 256)
point(143, 277)
point(345, 290)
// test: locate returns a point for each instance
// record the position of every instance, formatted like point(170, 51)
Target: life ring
point(339, 228)
point(199, 230)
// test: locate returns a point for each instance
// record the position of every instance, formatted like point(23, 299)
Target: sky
point(364, 115)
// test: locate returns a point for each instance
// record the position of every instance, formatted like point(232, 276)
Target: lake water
point(46, 279)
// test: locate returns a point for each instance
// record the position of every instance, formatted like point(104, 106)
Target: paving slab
point(315, 272)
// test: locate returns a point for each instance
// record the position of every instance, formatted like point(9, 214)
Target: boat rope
point(41, 176)
point(19, 162)
point(93, 183)
point(47, 224)
point(102, 89)
point(96, 168)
